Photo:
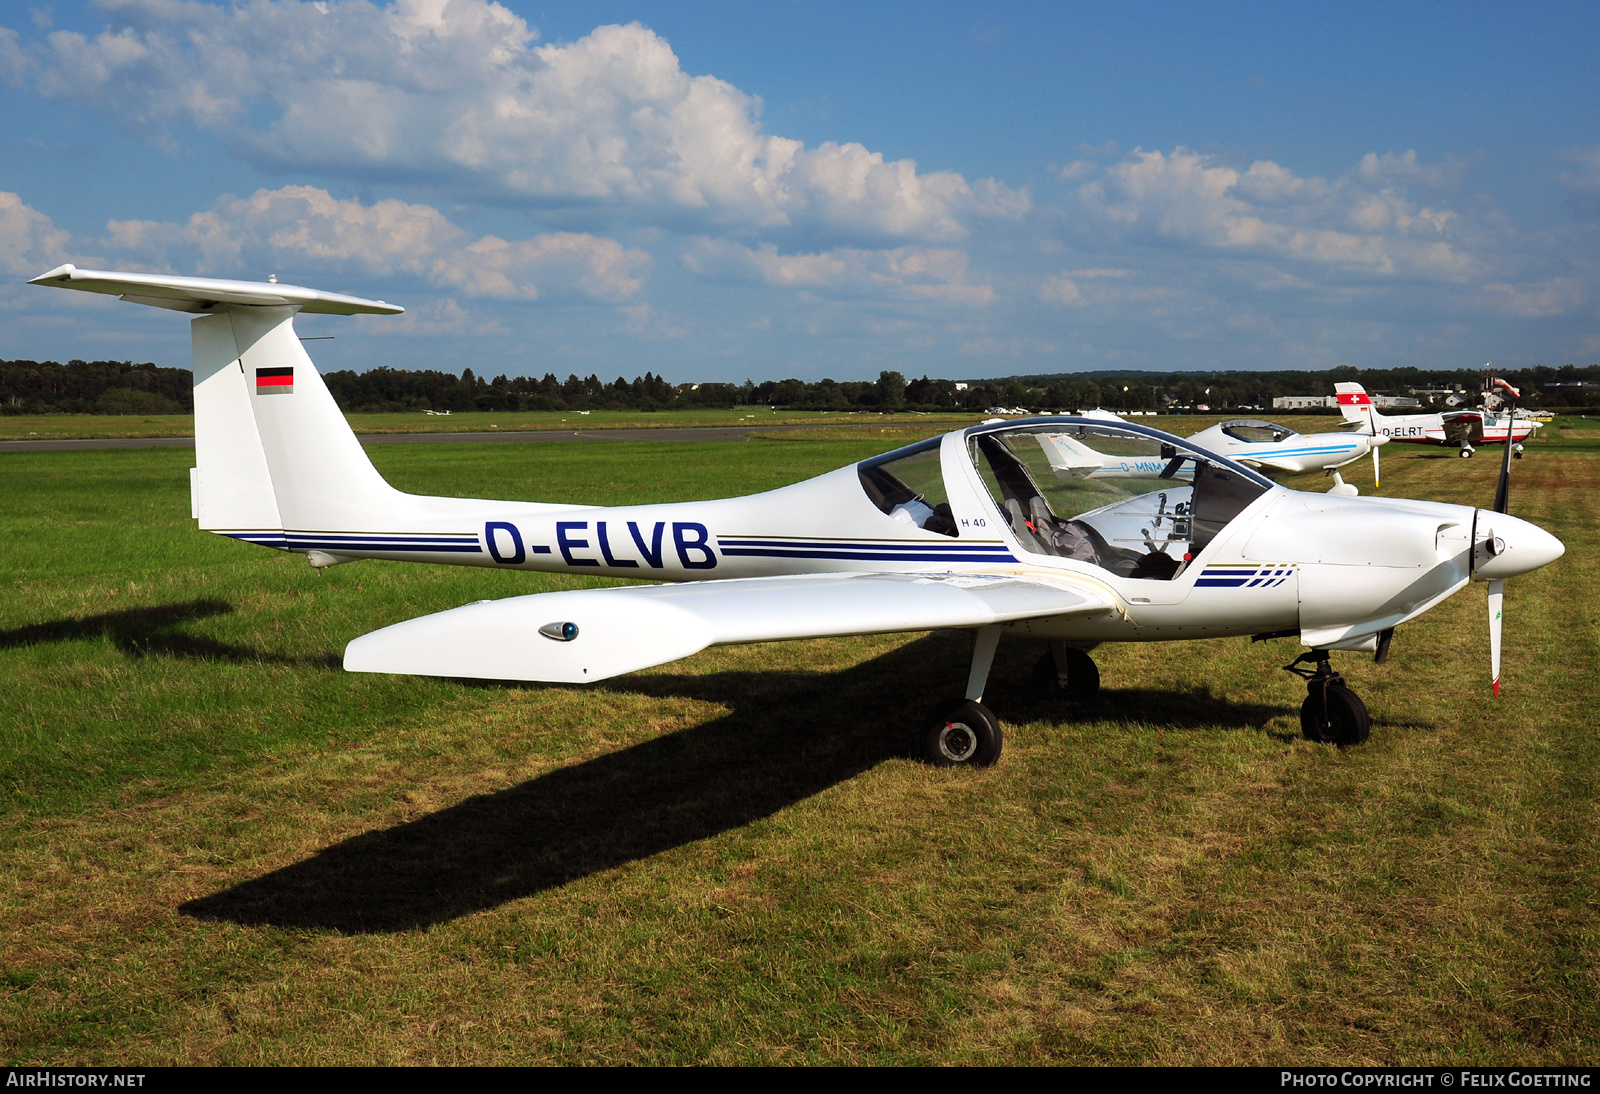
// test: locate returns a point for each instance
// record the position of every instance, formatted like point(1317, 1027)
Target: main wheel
point(969, 736)
point(1345, 721)
point(1466, 453)
point(1081, 681)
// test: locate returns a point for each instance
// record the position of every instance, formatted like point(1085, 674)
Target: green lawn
point(75, 426)
point(217, 847)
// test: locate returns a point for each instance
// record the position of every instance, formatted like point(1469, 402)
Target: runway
point(702, 433)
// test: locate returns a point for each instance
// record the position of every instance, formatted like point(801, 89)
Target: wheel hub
point(957, 742)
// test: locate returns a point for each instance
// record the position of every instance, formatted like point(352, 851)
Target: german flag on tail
point(275, 381)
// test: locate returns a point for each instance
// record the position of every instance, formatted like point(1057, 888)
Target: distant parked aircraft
point(1464, 428)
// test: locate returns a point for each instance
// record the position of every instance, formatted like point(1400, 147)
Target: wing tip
point(62, 272)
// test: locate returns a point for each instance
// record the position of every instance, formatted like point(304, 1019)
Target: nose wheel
point(1066, 672)
point(1332, 713)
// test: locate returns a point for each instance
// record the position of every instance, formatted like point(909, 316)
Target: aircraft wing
point(1462, 425)
point(634, 627)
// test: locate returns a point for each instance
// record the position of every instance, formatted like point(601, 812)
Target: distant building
point(1314, 402)
point(1450, 396)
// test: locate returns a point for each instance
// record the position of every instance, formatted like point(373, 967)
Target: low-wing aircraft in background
point(988, 528)
point(1252, 443)
point(1279, 448)
point(1465, 427)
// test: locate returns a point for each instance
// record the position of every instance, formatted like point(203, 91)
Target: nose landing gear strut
point(1332, 713)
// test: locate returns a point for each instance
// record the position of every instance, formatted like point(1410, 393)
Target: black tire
point(968, 736)
point(1082, 681)
point(1346, 722)
point(1466, 453)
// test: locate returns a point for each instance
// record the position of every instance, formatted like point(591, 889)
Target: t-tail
point(275, 461)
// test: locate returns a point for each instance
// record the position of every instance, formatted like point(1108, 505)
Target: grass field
point(1566, 431)
point(217, 847)
point(76, 426)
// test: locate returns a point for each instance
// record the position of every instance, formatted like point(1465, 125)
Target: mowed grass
point(218, 847)
point(73, 426)
point(845, 424)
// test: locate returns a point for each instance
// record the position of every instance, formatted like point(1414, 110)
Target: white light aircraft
point(1252, 443)
point(979, 529)
point(1464, 428)
point(1267, 444)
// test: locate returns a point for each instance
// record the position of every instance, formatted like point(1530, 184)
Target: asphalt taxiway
point(509, 436)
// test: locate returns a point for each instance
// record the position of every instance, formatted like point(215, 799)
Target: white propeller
point(1502, 504)
point(1496, 596)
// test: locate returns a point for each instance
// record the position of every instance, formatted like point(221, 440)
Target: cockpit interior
point(1125, 500)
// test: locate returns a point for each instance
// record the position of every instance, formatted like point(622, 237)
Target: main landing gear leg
point(1066, 672)
point(1332, 713)
point(969, 735)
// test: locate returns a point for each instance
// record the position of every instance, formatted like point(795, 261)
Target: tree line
point(122, 387)
point(94, 387)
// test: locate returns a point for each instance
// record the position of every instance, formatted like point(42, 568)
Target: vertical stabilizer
point(233, 488)
point(1354, 403)
point(274, 455)
point(320, 474)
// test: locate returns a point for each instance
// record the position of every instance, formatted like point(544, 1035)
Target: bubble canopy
point(1135, 501)
point(1132, 500)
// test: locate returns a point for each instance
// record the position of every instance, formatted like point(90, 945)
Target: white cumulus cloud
point(30, 243)
point(1062, 288)
point(1556, 296)
point(307, 227)
point(938, 274)
point(1364, 221)
point(458, 94)
point(1584, 174)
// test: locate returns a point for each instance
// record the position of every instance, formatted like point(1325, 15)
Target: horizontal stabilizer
point(201, 294)
point(591, 634)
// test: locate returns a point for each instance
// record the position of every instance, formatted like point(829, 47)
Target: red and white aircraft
point(1465, 428)
point(1070, 531)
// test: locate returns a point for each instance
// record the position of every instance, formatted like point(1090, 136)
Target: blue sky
point(722, 191)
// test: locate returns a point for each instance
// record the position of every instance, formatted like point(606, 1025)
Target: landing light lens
point(561, 632)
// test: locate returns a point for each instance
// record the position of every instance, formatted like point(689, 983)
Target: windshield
point(1135, 504)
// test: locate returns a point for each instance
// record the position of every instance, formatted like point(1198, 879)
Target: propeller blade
point(1375, 476)
point(1496, 596)
point(1502, 493)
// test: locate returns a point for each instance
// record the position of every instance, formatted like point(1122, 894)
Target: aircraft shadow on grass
point(788, 736)
point(154, 632)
